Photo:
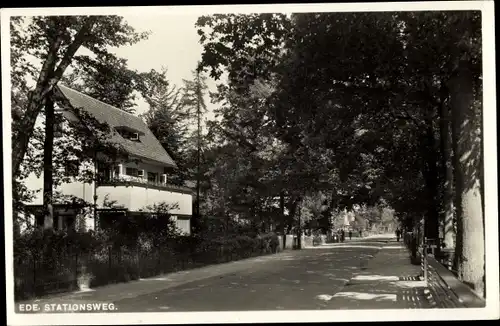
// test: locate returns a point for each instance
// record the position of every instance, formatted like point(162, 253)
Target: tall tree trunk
point(95, 197)
point(448, 206)
point(431, 178)
point(49, 76)
point(282, 213)
point(262, 220)
point(293, 204)
point(299, 226)
point(224, 212)
point(467, 170)
point(48, 148)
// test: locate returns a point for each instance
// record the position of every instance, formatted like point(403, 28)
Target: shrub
point(275, 242)
point(47, 260)
point(317, 240)
point(269, 242)
point(246, 246)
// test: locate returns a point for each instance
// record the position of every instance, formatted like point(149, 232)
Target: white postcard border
point(490, 165)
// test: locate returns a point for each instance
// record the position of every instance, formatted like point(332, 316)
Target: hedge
point(46, 262)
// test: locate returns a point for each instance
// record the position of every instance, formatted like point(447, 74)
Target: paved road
point(294, 280)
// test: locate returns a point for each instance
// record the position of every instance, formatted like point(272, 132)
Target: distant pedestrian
point(398, 234)
point(360, 233)
point(342, 235)
point(350, 234)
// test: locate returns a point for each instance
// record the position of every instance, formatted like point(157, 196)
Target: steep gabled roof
point(148, 148)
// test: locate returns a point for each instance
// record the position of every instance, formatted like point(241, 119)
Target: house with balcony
point(126, 186)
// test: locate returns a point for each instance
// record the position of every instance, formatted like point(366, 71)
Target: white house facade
point(130, 185)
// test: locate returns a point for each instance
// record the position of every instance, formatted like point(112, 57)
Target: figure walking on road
point(398, 234)
point(342, 235)
point(350, 234)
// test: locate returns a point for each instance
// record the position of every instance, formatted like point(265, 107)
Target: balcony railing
point(144, 183)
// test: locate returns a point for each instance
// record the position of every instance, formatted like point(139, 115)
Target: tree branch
point(238, 139)
point(80, 38)
point(47, 79)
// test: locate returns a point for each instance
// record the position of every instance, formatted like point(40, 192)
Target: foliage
point(172, 113)
point(314, 212)
point(167, 118)
point(54, 41)
point(245, 45)
point(364, 118)
point(246, 155)
point(106, 78)
point(155, 224)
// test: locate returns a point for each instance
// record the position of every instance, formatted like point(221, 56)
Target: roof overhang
point(113, 210)
point(58, 208)
point(151, 161)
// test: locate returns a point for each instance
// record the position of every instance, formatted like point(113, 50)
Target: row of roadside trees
point(360, 108)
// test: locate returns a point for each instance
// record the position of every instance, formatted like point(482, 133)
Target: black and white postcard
point(250, 163)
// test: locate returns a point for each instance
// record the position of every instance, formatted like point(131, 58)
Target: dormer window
point(129, 133)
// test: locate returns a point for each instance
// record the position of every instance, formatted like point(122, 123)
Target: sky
point(173, 43)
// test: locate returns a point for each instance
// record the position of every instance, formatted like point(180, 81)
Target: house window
point(128, 134)
point(133, 172)
point(134, 136)
point(152, 177)
point(183, 225)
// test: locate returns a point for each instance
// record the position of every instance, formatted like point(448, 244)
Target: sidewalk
point(388, 281)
